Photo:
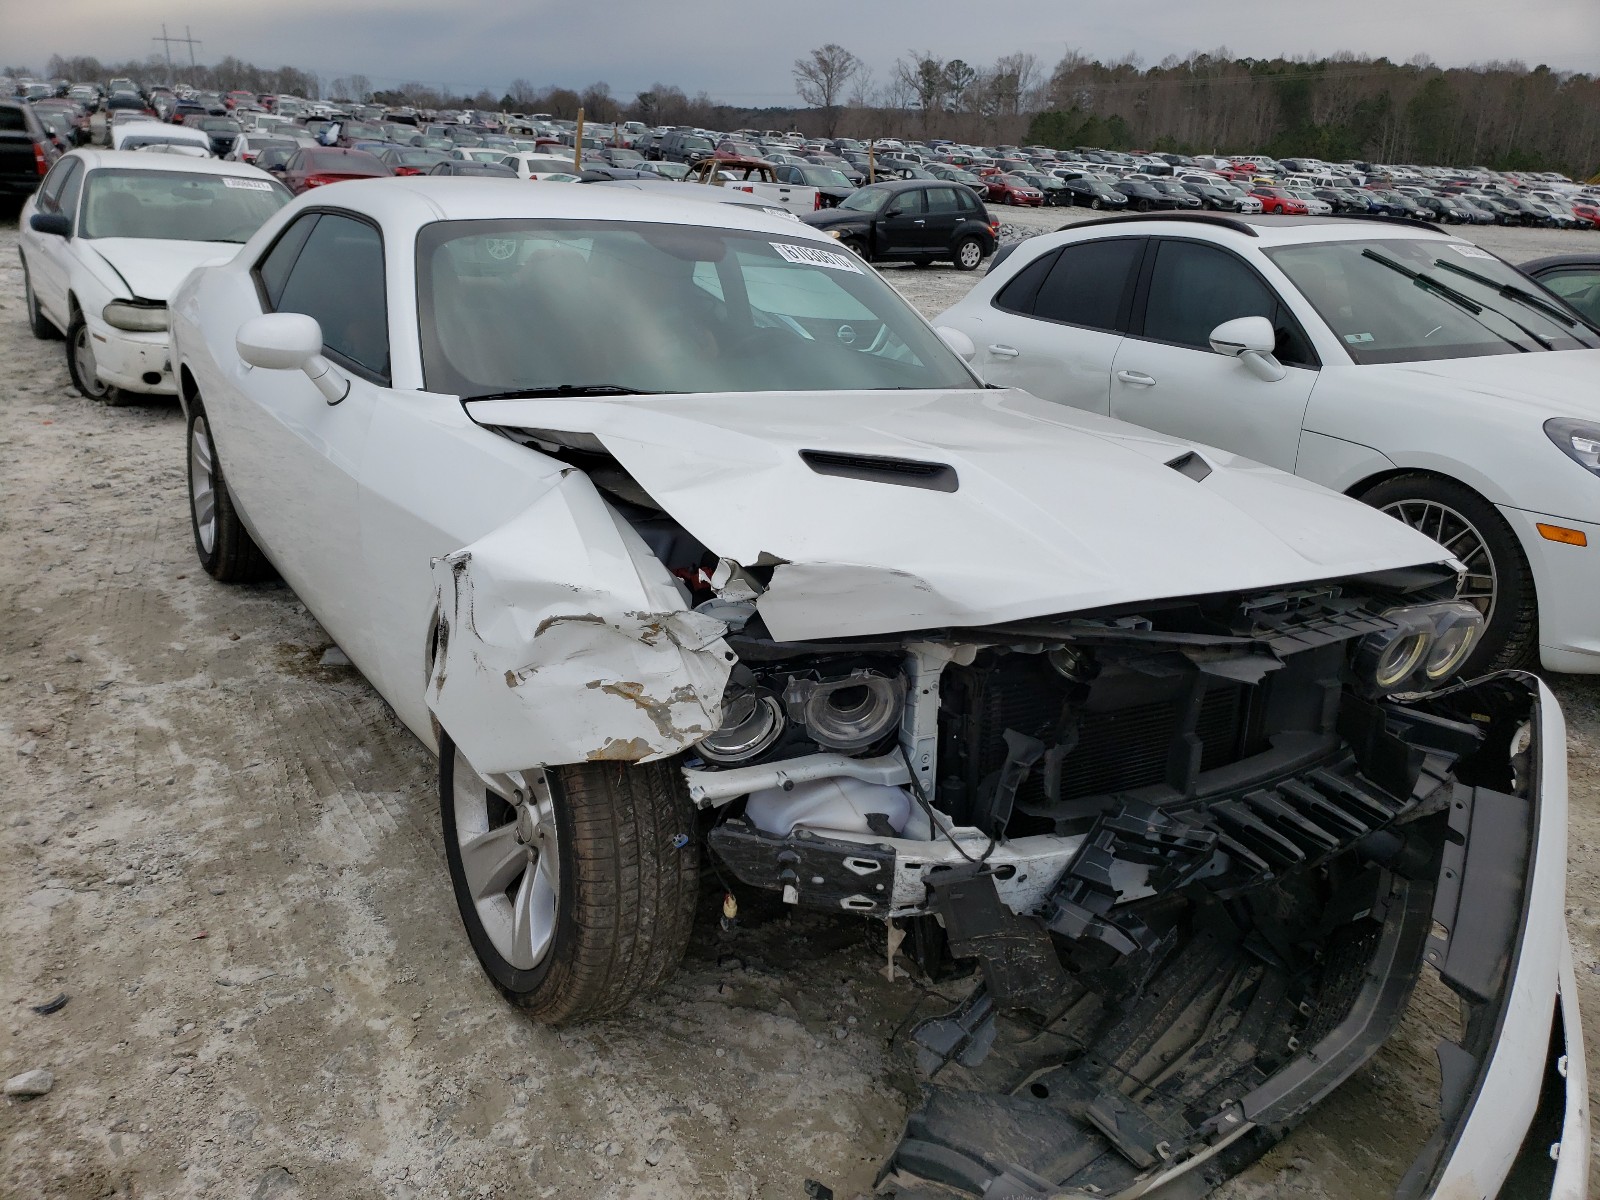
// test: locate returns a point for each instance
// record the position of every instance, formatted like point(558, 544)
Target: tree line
point(1503, 115)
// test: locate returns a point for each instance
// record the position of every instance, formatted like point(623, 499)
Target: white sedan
point(1404, 367)
point(107, 237)
point(677, 532)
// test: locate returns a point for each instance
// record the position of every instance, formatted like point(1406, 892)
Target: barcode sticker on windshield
point(813, 257)
point(1467, 251)
point(254, 185)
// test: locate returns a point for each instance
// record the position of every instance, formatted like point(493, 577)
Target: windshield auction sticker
point(254, 185)
point(812, 257)
point(1467, 251)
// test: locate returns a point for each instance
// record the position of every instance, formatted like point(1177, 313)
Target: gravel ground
point(226, 856)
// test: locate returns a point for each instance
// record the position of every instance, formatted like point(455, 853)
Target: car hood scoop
point(1015, 507)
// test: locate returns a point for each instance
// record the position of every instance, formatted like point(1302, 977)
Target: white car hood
point(1559, 383)
point(152, 267)
point(1055, 511)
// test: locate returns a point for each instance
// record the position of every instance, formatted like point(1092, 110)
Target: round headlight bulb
point(751, 722)
point(850, 713)
point(1399, 660)
point(1456, 630)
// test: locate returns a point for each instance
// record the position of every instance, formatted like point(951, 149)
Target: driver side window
point(334, 272)
point(1196, 287)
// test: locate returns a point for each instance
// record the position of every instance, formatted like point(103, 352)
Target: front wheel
point(576, 884)
point(1095, 203)
point(857, 247)
point(969, 253)
point(224, 546)
point(81, 364)
point(1498, 582)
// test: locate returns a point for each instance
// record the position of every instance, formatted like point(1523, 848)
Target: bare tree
point(820, 79)
point(923, 77)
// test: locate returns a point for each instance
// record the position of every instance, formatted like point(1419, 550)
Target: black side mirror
point(54, 223)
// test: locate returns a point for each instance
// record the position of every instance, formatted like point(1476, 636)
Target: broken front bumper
point(1059, 1113)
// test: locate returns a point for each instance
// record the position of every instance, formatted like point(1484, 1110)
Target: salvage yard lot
point(224, 849)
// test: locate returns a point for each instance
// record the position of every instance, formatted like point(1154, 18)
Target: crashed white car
point(107, 237)
point(1160, 739)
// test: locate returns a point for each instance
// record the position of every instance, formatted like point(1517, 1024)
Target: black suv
point(26, 148)
point(679, 145)
point(912, 220)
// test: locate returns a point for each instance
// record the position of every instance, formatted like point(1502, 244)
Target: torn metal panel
point(533, 669)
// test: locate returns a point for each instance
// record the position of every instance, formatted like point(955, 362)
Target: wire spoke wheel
point(1453, 531)
point(505, 831)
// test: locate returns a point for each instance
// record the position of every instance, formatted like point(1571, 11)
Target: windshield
point(511, 305)
point(825, 177)
point(174, 206)
point(1415, 301)
point(867, 200)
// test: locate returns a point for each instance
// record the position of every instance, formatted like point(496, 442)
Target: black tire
point(232, 556)
point(968, 254)
point(80, 345)
point(1511, 637)
point(629, 871)
point(38, 324)
point(856, 246)
point(1095, 203)
point(1142, 205)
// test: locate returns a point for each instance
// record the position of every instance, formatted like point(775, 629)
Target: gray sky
point(741, 52)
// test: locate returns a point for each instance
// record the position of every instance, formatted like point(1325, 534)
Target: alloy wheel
point(506, 833)
point(971, 254)
point(203, 485)
point(1479, 587)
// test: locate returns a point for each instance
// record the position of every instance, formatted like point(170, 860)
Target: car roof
point(1559, 260)
point(419, 200)
point(1274, 230)
point(96, 159)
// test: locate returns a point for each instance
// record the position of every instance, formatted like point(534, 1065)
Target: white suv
point(1406, 367)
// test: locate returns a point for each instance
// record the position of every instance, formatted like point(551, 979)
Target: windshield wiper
point(1521, 295)
point(1459, 299)
point(567, 389)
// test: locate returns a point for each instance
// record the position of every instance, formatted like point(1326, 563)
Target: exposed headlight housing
point(849, 713)
point(1423, 647)
point(751, 722)
point(1578, 440)
point(136, 318)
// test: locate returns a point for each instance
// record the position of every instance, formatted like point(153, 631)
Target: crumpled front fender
point(531, 669)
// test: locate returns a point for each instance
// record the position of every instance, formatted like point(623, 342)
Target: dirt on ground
point(222, 849)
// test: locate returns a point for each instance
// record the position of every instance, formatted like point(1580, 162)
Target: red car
point(234, 99)
point(317, 166)
point(1278, 200)
point(1008, 189)
point(1587, 211)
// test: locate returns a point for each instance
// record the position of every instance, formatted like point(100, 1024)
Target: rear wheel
point(1498, 582)
point(222, 543)
point(969, 253)
point(38, 324)
point(577, 884)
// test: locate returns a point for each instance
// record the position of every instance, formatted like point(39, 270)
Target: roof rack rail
point(1390, 219)
point(1227, 222)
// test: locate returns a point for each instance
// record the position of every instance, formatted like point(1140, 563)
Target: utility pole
point(166, 43)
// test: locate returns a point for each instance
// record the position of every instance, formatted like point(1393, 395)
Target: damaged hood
point(1053, 510)
point(154, 267)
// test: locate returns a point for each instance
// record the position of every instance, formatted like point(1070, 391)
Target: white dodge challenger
point(676, 533)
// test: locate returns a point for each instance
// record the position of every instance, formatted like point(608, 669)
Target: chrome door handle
point(1005, 351)
point(1137, 378)
point(919, 221)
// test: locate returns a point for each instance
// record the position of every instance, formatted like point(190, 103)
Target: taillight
point(817, 202)
point(994, 228)
point(40, 162)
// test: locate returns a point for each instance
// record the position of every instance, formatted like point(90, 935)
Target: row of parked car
point(941, 632)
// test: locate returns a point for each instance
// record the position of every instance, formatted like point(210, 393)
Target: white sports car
point(107, 237)
point(676, 531)
point(1405, 367)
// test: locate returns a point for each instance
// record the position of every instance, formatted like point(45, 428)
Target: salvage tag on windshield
point(812, 257)
point(1467, 251)
point(254, 185)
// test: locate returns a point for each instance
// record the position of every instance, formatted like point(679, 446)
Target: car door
point(296, 472)
point(1578, 284)
point(1167, 377)
point(902, 231)
point(942, 214)
point(50, 257)
point(1054, 329)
